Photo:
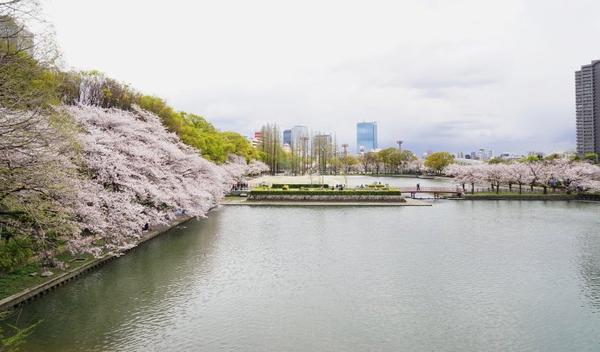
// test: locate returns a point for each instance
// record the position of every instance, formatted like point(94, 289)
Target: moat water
point(457, 276)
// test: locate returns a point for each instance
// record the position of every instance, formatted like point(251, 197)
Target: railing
point(431, 190)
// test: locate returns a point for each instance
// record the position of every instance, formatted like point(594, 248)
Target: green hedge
point(299, 185)
point(327, 192)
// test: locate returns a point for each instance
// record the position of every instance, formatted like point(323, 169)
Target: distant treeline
point(41, 85)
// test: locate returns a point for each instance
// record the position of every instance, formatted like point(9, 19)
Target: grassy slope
point(20, 279)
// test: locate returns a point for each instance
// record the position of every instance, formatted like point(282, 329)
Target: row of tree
point(86, 162)
point(30, 82)
point(562, 174)
point(319, 154)
point(194, 130)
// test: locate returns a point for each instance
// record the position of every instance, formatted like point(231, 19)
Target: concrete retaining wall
point(500, 196)
point(61, 279)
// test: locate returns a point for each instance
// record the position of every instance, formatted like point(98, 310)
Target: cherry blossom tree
point(580, 176)
point(466, 174)
point(135, 172)
point(256, 168)
point(517, 173)
point(559, 173)
point(495, 174)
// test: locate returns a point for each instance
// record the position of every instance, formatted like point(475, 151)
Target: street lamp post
point(399, 145)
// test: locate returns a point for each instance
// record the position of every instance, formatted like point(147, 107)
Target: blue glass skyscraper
point(287, 137)
point(366, 136)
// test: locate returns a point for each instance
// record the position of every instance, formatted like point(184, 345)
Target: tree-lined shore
point(558, 174)
point(87, 163)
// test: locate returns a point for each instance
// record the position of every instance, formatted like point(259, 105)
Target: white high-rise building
point(587, 100)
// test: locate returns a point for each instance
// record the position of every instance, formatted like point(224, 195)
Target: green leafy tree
point(438, 161)
point(195, 131)
point(497, 161)
point(593, 157)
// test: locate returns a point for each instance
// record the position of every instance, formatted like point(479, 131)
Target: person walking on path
point(418, 187)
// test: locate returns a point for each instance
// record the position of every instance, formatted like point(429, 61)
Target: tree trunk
point(520, 188)
point(472, 188)
point(498, 188)
point(545, 189)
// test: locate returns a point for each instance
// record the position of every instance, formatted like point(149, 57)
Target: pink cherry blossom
point(136, 172)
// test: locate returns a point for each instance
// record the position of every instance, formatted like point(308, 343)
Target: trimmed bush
point(299, 185)
point(318, 192)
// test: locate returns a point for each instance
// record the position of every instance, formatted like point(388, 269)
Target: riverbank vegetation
point(558, 175)
point(87, 163)
point(520, 196)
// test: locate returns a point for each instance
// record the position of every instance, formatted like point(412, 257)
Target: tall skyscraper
point(287, 137)
point(322, 151)
point(321, 141)
point(587, 99)
point(298, 133)
point(366, 136)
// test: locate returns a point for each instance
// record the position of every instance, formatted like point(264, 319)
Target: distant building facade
point(287, 137)
point(298, 134)
point(256, 141)
point(587, 100)
point(322, 151)
point(321, 141)
point(485, 154)
point(366, 136)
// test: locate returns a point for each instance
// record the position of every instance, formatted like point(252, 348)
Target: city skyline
point(449, 76)
point(481, 152)
point(366, 136)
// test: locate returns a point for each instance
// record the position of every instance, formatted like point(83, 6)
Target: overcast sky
point(441, 75)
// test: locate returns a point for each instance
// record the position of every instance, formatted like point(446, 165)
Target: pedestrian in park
point(418, 187)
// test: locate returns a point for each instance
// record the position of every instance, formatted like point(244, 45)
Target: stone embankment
point(525, 196)
point(62, 278)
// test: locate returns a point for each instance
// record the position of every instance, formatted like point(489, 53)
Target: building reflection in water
point(589, 266)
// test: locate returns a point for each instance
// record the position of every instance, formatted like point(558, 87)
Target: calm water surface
point(458, 276)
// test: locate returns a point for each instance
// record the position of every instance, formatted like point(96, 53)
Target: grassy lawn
point(20, 279)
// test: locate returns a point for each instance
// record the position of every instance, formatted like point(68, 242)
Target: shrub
point(300, 185)
point(352, 192)
point(14, 252)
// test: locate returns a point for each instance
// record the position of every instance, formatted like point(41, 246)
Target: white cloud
point(454, 75)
